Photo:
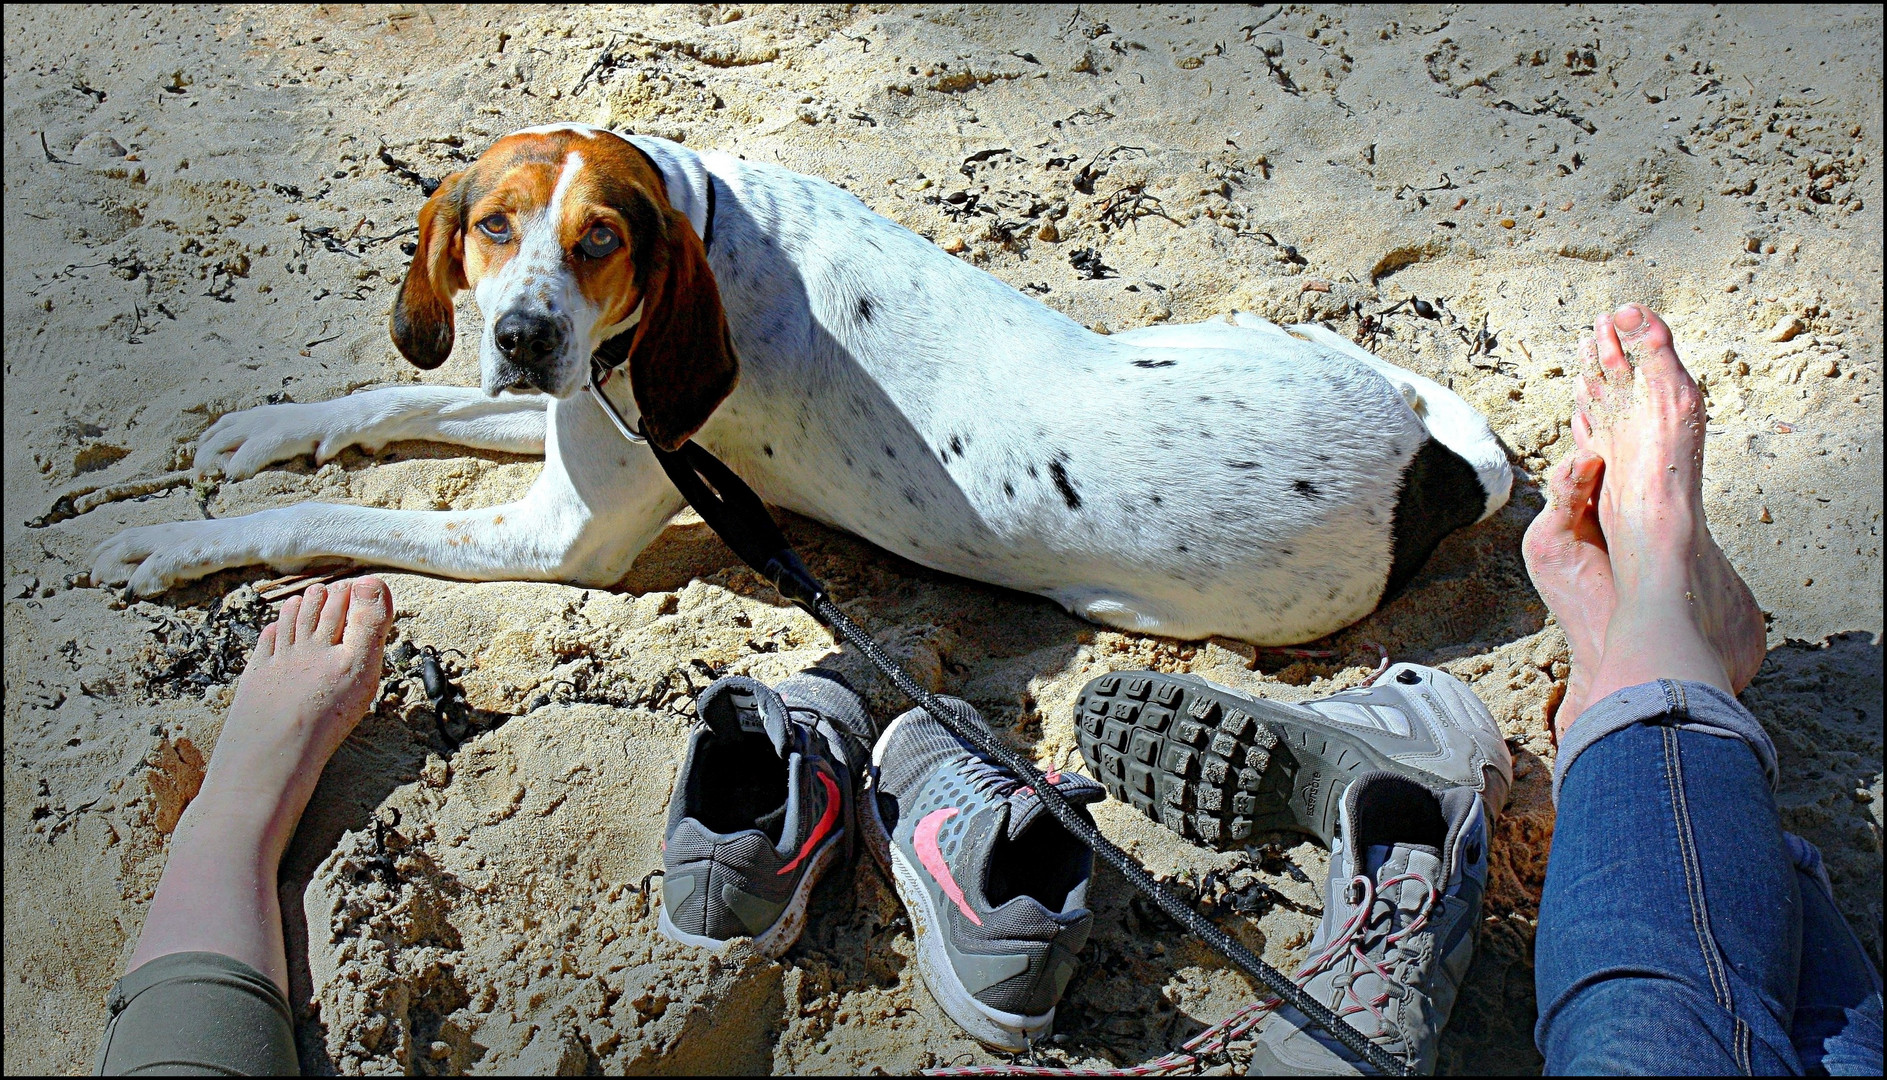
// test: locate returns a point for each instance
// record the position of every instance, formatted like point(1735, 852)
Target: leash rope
point(733, 511)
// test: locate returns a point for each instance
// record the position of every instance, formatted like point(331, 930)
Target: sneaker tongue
point(737, 704)
point(1384, 861)
point(1025, 805)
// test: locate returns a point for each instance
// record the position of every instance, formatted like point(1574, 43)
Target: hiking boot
point(1400, 909)
point(762, 809)
point(996, 887)
point(1218, 766)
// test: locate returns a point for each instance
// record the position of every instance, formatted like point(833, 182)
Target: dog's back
point(1182, 480)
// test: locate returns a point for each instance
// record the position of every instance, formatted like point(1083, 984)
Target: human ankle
point(246, 815)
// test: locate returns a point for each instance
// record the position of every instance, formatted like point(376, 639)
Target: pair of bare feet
point(1622, 554)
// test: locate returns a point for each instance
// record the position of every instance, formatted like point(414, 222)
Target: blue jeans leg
point(1837, 1027)
point(1682, 931)
point(1670, 928)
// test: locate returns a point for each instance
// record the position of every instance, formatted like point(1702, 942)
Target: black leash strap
point(732, 509)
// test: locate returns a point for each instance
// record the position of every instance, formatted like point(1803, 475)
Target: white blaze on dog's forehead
point(572, 165)
point(540, 281)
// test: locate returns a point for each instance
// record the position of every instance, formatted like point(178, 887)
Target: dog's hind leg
point(1450, 419)
point(242, 443)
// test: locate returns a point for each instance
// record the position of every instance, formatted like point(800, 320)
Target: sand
point(198, 220)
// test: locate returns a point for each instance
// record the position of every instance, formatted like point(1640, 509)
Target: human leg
point(1837, 1023)
point(1674, 932)
point(213, 933)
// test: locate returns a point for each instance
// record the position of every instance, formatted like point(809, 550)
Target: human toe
point(1651, 345)
point(308, 616)
point(285, 622)
point(1583, 437)
point(333, 614)
point(1574, 483)
point(1569, 488)
point(1611, 351)
point(369, 613)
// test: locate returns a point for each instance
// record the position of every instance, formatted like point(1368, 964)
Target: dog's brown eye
point(497, 227)
point(598, 241)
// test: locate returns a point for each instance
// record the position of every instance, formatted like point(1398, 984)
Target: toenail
point(1629, 319)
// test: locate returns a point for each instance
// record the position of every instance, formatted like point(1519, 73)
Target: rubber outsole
point(1212, 766)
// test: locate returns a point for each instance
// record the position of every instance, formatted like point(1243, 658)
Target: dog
point(1223, 478)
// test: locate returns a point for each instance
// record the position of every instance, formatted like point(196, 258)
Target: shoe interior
point(1393, 810)
point(1046, 862)
point(747, 789)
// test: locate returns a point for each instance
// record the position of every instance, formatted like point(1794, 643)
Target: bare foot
point(1572, 570)
point(1682, 611)
point(309, 682)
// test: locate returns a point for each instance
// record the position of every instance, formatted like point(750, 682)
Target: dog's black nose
point(531, 342)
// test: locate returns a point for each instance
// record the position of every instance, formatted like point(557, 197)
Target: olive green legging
point(197, 1014)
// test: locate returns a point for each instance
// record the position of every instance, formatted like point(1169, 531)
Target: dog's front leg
point(242, 443)
point(598, 502)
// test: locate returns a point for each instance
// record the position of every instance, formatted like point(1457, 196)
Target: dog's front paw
point(154, 558)
point(243, 443)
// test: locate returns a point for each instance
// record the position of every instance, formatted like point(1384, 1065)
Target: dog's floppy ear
point(422, 322)
point(681, 361)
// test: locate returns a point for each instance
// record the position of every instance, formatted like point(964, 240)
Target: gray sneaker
point(995, 886)
point(762, 809)
point(1400, 910)
point(1217, 766)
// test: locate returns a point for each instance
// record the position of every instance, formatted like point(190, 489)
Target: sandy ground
point(198, 220)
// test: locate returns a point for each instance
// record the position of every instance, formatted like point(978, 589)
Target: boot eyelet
point(1408, 676)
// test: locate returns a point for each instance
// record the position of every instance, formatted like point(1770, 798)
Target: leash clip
point(599, 375)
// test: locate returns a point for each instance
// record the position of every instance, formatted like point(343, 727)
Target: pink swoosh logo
point(924, 839)
point(819, 831)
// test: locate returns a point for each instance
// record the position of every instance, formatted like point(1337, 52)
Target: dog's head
point(566, 238)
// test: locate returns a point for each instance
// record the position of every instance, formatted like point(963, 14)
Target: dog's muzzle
point(531, 347)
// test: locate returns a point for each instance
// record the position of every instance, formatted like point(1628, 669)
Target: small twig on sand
point(86, 499)
point(427, 184)
point(281, 588)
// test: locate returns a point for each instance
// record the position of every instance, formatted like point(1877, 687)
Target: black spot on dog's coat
point(1305, 488)
point(1068, 493)
point(864, 309)
point(1440, 493)
point(1241, 465)
point(767, 449)
point(956, 445)
point(1154, 363)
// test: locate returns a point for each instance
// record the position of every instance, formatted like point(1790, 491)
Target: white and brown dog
point(1216, 478)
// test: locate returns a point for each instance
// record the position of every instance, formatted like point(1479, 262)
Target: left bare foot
point(312, 675)
point(1572, 570)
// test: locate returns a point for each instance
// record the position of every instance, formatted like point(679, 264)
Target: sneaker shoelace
point(985, 777)
point(1348, 946)
point(858, 744)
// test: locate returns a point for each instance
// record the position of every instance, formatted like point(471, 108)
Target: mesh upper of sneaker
point(962, 819)
point(734, 880)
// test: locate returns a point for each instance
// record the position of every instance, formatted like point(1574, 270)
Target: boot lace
point(1348, 947)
